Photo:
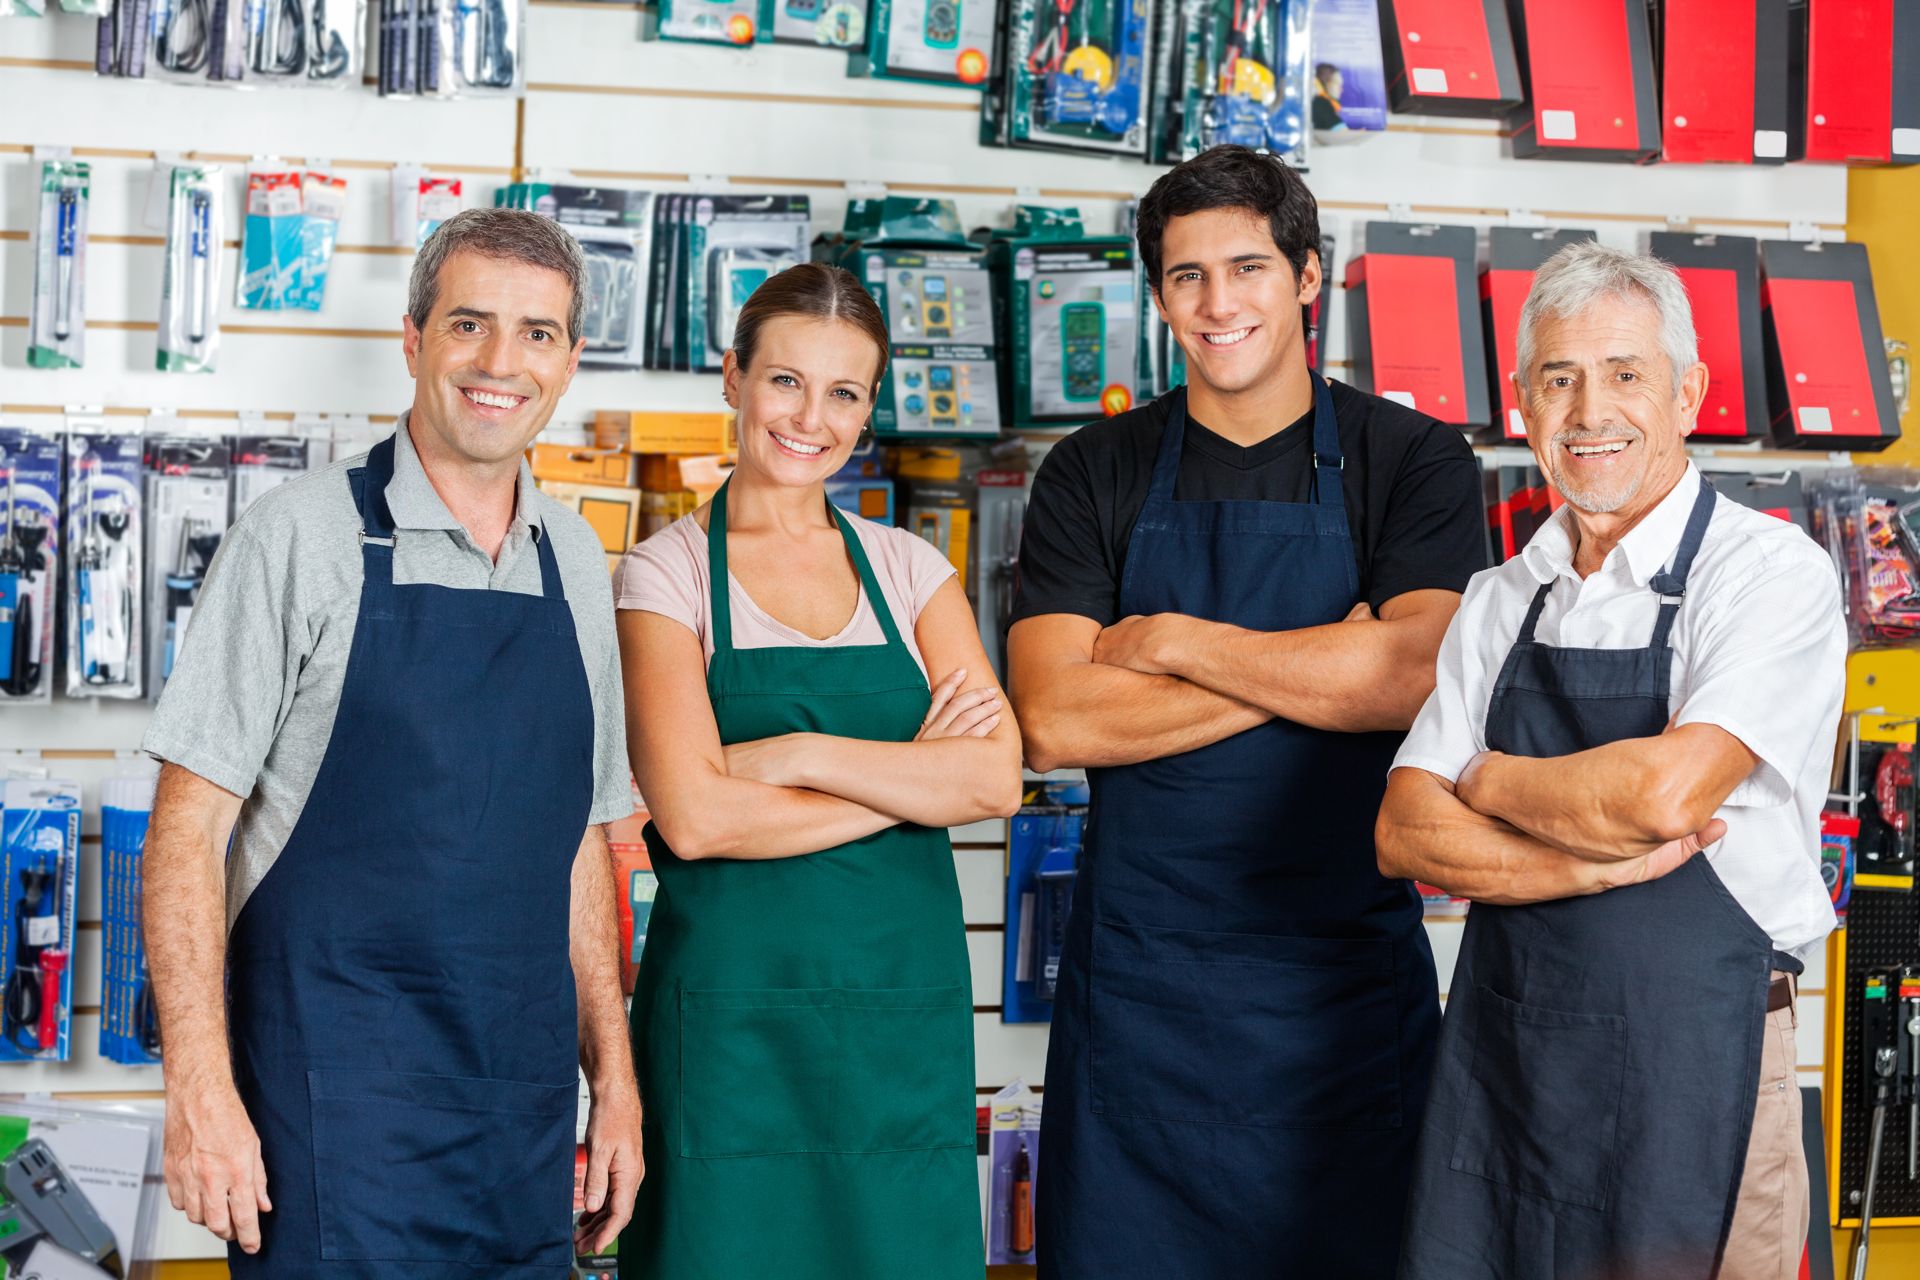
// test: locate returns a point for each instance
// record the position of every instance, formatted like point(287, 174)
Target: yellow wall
point(1883, 213)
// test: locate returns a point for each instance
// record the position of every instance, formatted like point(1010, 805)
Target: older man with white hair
point(1622, 765)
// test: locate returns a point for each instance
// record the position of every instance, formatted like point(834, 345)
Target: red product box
point(1827, 373)
point(1513, 255)
point(1781, 495)
point(1723, 65)
point(1863, 81)
point(1722, 275)
point(1412, 328)
point(1450, 57)
point(1592, 93)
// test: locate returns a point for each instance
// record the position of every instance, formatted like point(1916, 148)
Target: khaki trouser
point(1770, 1221)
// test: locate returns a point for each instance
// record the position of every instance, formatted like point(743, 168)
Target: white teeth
point(1226, 339)
point(1595, 450)
point(808, 449)
point(492, 401)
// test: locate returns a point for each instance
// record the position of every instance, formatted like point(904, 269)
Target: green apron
point(803, 1027)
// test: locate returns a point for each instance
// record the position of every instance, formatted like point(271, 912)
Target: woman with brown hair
point(802, 1022)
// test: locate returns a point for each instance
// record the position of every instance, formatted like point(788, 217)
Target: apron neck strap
point(719, 584)
point(1673, 581)
point(1327, 462)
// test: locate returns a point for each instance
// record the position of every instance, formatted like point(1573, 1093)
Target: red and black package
point(1827, 376)
point(1722, 275)
point(1591, 90)
point(1513, 255)
point(1412, 328)
point(1863, 81)
point(1450, 57)
point(1723, 65)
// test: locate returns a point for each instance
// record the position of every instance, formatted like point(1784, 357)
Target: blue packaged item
point(31, 477)
point(270, 244)
point(129, 1019)
point(1349, 76)
point(1043, 852)
point(39, 858)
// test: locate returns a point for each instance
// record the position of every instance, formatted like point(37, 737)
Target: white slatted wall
point(604, 106)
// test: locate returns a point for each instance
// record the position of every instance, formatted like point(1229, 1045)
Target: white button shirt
point(1759, 649)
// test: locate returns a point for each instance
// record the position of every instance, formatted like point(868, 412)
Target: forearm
point(938, 783)
point(1620, 800)
point(1350, 677)
point(1091, 715)
point(184, 921)
point(726, 817)
point(594, 939)
point(1425, 833)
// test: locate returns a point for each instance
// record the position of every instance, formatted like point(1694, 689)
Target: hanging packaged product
point(228, 41)
point(105, 549)
point(1724, 84)
point(1450, 57)
point(302, 42)
point(737, 22)
point(933, 286)
point(189, 486)
point(1013, 1168)
point(57, 327)
point(189, 335)
point(180, 40)
point(270, 244)
point(1592, 92)
point(78, 1188)
point(1313, 316)
point(1827, 373)
point(122, 40)
point(323, 199)
point(30, 475)
point(1001, 507)
point(40, 860)
point(1722, 276)
point(1781, 494)
point(615, 231)
point(1074, 78)
point(434, 200)
point(1067, 304)
point(129, 1018)
point(1043, 854)
point(1245, 79)
point(943, 41)
point(1413, 331)
point(482, 43)
point(829, 24)
point(1349, 77)
point(734, 244)
point(1513, 255)
point(1863, 81)
point(263, 462)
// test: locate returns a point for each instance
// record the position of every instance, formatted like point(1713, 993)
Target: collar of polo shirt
point(415, 504)
point(1645, 550)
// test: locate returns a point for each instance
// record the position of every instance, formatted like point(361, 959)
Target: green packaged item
point(1074, 77)
point(734, 243)
point(942, 41)
point(1069, 305)
point(57, 326)
point(735, 22)
point(1238, 73)
point(189, 330)
point(828, 24)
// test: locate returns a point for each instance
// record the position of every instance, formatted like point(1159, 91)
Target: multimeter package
point(943, 377)
point(829, 24)
point(105, 550)
point(189, 489)
point(615, 231)
point(737, 22)
point(1068, 306)
point(733, 244)
point(189, 335)
point(40, 860)
point(129, 1021)
point(30, 541)
point(1074, 77)
point(943, 41)
point(1242, 76)
point(57, 327)
point(1043, 858)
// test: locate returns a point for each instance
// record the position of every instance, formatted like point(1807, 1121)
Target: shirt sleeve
point(1065, 566)
point(612, 777)
point(658, 576)
point(1767, 663)
point(1451, 728)
point(234, 672)
point(926, 568)
point(1434, 536)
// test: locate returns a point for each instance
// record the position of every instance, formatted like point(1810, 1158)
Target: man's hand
point(213, 1168)
point(1667, 858)
point(1144, 642)
point(614, 1167)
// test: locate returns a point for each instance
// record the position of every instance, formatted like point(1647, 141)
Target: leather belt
point(1780, 994)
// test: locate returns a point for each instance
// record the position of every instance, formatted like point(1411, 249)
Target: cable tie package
point(831, 24)
point(129, 1018)
point(57, 326)
point(263, 462)
point(30, 475)
point(189, 487)
point(1075, 76)
point(105, 536)
point(40, 860)
point(189, 334)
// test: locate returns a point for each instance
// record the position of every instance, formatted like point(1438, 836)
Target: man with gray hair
point(400, 693)
point(1622, 765)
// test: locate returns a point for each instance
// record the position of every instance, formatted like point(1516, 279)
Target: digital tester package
point(943, 41)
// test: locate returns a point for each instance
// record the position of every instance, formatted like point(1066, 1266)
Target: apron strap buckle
point(378, 542)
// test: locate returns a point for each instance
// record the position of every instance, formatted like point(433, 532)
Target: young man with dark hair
point(1231, 626)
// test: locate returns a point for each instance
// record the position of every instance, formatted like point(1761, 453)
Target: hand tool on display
point(199, 540)
point(9, 592)
point(1021, 1218)
point(1888, 1066)
point(32, 925)
point(63, 243)
point(100, 580)
point(199, 266)
point(20, 558)
point(43, 1203)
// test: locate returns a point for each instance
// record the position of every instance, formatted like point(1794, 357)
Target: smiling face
point(805, 399)
point(1605, 416)
point(1231, 299)
point(493, 359)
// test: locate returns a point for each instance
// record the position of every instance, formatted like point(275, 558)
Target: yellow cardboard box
point(657, 432)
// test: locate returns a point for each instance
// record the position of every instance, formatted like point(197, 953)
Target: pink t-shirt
point(667, 574)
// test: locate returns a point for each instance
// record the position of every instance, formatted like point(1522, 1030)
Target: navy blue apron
point(401, 995)
point(1247, 1009)
point(1601, 1055)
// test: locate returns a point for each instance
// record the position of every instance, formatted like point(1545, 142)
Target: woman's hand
point(973, 714)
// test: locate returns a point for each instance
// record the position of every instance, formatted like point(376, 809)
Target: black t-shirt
point(1412, 485)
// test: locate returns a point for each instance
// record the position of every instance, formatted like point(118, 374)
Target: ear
point(410, 345)
point(1692, 392)
point(730, 378)
point(1311, 278)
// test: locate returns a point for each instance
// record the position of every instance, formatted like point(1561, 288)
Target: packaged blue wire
point(129, 1019)
point(39, 858)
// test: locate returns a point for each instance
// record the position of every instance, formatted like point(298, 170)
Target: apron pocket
point(779, 1071)
point(442, 1169)
point(1542, 1107)
point(1244, 1029)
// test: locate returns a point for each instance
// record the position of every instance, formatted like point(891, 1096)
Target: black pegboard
point(1883, 932)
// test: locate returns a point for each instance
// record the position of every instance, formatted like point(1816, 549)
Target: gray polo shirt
point(258, 679)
